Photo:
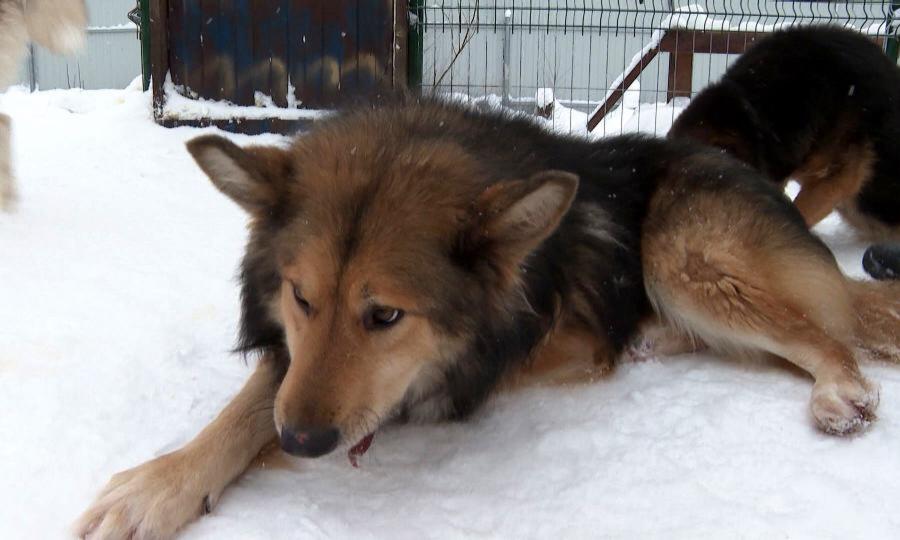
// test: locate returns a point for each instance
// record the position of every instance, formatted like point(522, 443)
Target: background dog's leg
point(656, 338)
point(831, 180)
point(155, 499)
point(739, 271)
point(7, 185)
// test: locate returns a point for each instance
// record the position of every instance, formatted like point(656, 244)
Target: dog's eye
point(304, 305)
point(380, 317)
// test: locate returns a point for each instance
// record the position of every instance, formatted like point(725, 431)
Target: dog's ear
point(253, 177)
point(513, 218)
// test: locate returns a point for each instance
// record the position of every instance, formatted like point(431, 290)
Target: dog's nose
point(309, 441)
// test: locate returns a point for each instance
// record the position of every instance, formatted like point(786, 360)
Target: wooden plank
point(278, 52)
point(616, 95)
point(400, 44)
point(332, 51)
point(159, 53)
point(708, 42)
point(209, 73)
point(297, 46)
point(313, 56)
point(192, 17)
point(681, 74)
point(175, 37)
point(261, 69)
point(243, 53)
point(372, 46)
point(226, 31)
point(348, 24)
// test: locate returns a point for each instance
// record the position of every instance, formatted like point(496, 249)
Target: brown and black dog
point(820, 105)
point(406, 262)
point(55, 24)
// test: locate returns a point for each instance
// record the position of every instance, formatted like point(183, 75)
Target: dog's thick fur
point(515, 255)
point(820, 105)
point(59, 26)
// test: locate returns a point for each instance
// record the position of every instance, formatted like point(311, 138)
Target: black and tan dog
point(820, 105)
point(406, 262)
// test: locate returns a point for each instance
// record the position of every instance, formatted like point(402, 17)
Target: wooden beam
point(616, 94)
point(400, 45)
point(708, 42)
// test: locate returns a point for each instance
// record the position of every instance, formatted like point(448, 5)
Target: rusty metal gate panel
point(313, 54)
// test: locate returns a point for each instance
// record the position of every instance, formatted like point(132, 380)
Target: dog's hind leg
point(737, 268)
point(7, 185)
point(157, 498)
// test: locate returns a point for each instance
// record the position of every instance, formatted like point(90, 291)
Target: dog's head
point(377, 261)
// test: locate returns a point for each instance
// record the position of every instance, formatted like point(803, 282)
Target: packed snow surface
point(118, 307)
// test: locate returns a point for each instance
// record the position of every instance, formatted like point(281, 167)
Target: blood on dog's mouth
point(360, 448)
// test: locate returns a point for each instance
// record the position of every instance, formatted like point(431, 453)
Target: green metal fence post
point(140, 16)
point(416, 39)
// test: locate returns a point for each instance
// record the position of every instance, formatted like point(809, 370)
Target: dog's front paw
point(152, 500)
point(844, 406)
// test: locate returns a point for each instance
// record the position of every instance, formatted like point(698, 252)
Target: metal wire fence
point(608, 65)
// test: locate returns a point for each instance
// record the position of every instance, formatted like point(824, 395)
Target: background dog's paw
point(152, 500)
point(7, 194)
point(844, 407)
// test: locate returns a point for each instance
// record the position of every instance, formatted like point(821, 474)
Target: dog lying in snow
point(406, 262)
point(59, 26)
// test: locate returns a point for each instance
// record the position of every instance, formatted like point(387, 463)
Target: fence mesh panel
point(567, 59)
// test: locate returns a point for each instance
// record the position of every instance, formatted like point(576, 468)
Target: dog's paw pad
point(640, 350)
point(842, 408)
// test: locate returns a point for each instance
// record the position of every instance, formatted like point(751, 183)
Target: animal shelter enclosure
point(589, 66)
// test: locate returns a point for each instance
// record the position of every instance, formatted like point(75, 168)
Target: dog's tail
point(877, 305)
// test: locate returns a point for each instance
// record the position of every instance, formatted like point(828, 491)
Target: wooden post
point(681, 70)
point(400, 48)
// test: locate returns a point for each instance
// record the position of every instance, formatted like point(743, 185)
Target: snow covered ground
point(118, 306)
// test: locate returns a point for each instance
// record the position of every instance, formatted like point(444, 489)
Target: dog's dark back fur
point(591, 265)
point(795, 92)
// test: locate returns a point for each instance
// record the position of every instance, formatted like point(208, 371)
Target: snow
point(178, 106)
point(697, 17)
point(543, 97)
point(113, 28)
point(628, 117)
point(118, 306)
